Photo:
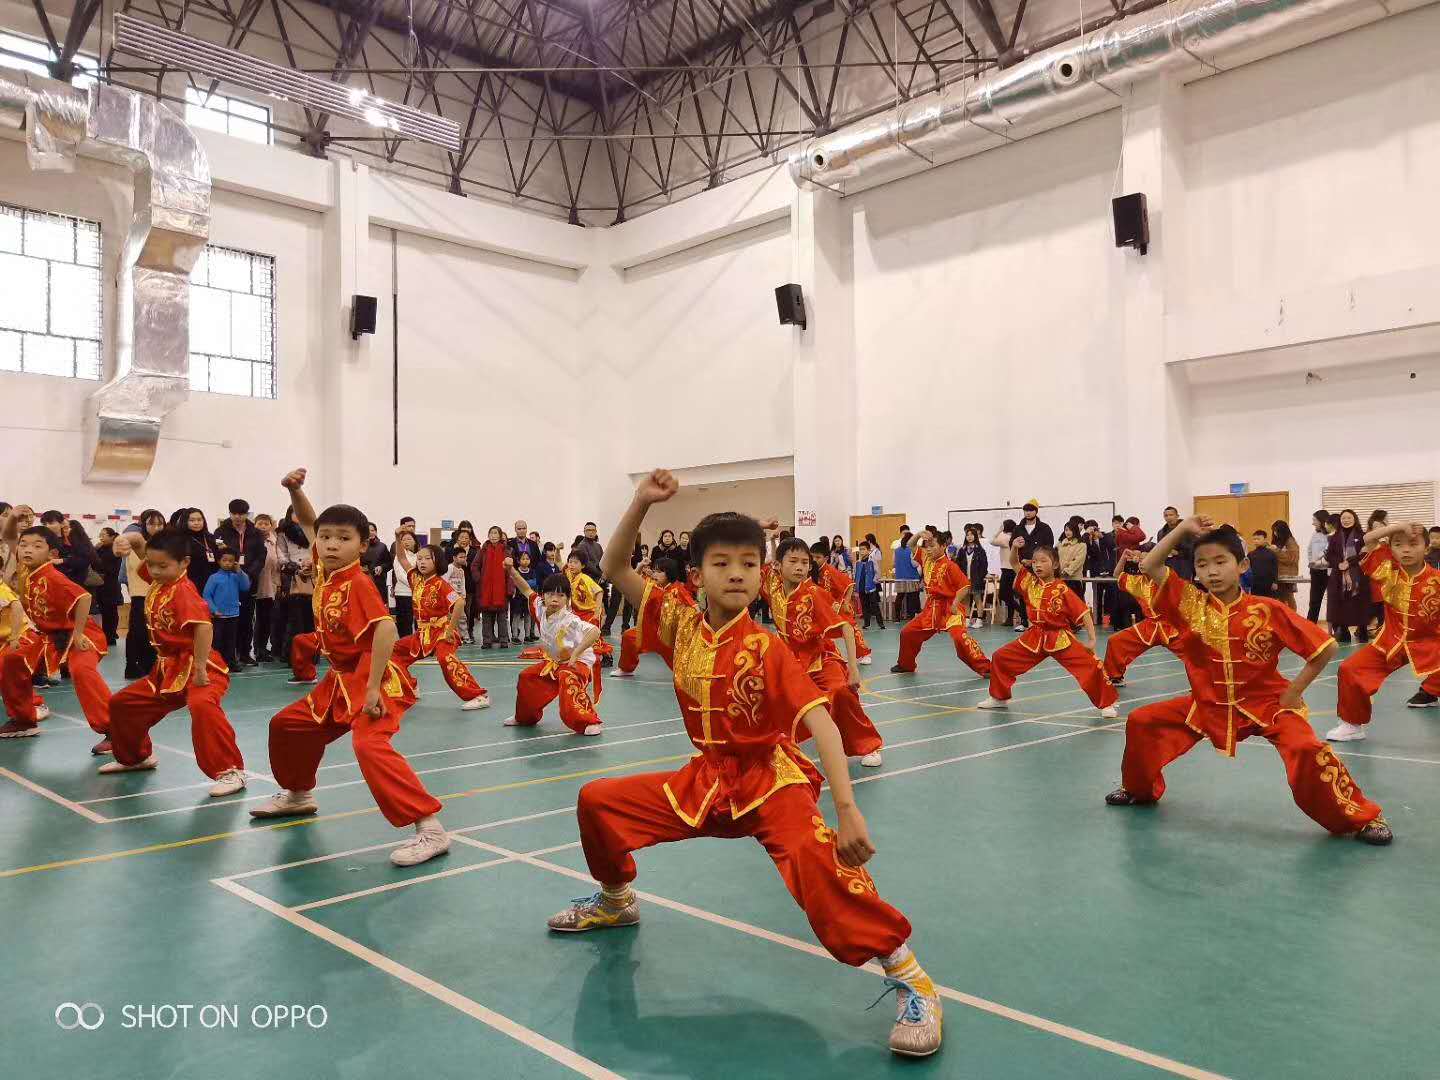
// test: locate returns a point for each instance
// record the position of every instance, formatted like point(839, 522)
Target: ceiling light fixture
point(156, 43)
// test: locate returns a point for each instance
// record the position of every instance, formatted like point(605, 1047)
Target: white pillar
point(824, 365)
point(1156, 413)
point(354, 425)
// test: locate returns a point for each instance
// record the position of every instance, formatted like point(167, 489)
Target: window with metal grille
point(50, 299)
point(1402, 502)
point(27, 54)
point(232, 323)
point(232, 116)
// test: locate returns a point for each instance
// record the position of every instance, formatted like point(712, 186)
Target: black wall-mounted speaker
point(1132, 221)
point(362, 315)
point(790, 303)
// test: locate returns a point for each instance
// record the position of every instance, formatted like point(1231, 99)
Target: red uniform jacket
point(944, 581)
point(1054, 612)
point(1231, 654)
point(806, 619)
point(1412, 609)
point(171, 614)
point(743, 694)
point(433, 598)
point(48, 597)
point(347, 608)
point(1152, 630)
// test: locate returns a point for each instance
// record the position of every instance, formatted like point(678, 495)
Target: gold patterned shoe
point(1377, 833)
point(918, 1017)
point(590, 913)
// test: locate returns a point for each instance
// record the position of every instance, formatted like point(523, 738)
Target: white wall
point(986, 329)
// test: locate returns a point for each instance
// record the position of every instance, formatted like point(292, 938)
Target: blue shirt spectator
point(867, 578)
point(222, 591)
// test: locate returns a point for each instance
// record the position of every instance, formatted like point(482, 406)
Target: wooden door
point(1257, 510)
point(886, 528)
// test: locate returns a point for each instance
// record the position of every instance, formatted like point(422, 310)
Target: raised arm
point(1017, 545)
point(1374, 537)
point(1153, 565)
point(657, 487)
point(521, 585)
point(294, 483)
point(402, 557)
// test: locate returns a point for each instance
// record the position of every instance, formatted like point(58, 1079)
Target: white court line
point(982, 753)
point(168, 790)
point(165, 746)
point(980, 689)
point(1051, 1027)
point(396, 843)
point(985, 682)
point(503, 1024)
point(392, 886)
point(55, 797)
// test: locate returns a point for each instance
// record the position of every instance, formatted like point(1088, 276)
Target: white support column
point(824, 365)
point(351, 418)
point(1155, 437)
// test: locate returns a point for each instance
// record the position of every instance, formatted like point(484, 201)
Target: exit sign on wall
point(804, 518)
point(1239, 489)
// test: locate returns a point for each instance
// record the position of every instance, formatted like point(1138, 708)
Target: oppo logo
point(70, 1016)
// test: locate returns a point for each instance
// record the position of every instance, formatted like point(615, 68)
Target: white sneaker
point(1110, 712)
point(618, 674)
point(1345, 732)
point(593, 729)
point(992, 703)
point(975, 624)
point(115, 766)
point(427, 844)
point(287, 804)
point(42, 712)
point(512, 722)
point(871, 760)
point(865, 661)
point(228, 783)
point(481, 702)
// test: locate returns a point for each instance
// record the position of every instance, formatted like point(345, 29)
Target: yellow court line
point(174, 844)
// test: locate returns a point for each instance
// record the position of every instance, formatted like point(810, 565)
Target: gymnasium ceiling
point(598, 110)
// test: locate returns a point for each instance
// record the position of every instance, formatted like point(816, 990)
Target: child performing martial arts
point(946, 588)
point(664, 574)
point(12, 626)
point(808, 622)
point(364, 693)
point(1128, 645)
point(438, 611)
point(841, 587)
point(1409, 633)
point(189, 672)
point(743, 693)
point(567, 666)
point(1231, 643)
point(1055, 612)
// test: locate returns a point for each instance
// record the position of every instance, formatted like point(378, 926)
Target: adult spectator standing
point(665, 548)
point(377, 560)
point(1348, 590)
point(1072, 558)
point(1182, 560)
point(139, 650)
point(106, 596)
point(402, 599)
point(590, 550)
point(1315, 555)
point(297, 580)
point(240, 536)
point(492, 586)
point(1005, 593)
point(1036, 532)
point(77, 553)
point(1096, 566)
point(264, 589)
point(1127, 536)
point(1264, 565)
point(907, 577)
point(522, 544)
point(1287, 553)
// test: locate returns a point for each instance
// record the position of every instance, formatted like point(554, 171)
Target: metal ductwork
point(166, 236)
point(1079, 78)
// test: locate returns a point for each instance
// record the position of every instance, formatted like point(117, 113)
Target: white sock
point(619, 897)
point(428, 824)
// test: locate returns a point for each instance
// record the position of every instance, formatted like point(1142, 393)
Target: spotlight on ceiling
point(176, 50)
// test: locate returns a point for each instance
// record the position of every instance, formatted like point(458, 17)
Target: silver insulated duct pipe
point(1071, 81)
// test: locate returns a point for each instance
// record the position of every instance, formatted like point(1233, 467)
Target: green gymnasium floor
point(1221, 933)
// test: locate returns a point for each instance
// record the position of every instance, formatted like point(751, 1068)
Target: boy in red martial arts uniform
point(438, 611)
point(1410, 631)
point(807, 620)
point(1231, 643)
point(743, 693)
point(364, 693)
point(12, 626)
point(1055, 613)
point(587, 599)
point(841, 587)
point(188, 673)
point(59, 614)
point(567, 666)
point(946, 588)
point(664, 574)
point(1128, 645)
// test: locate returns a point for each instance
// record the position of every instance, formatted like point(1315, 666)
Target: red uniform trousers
point(304, 651)
point(542, 683)
point(625, 814)
point(19, 662)
point(1015, 659)
point(862, 647)
point(457, 675)
point(140, 706)
point(922, 628)
point(1124, 648)
point(298, 741)
point(857, 733)
point(1361, 675)
point(1321, 785)
point(629, 650)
